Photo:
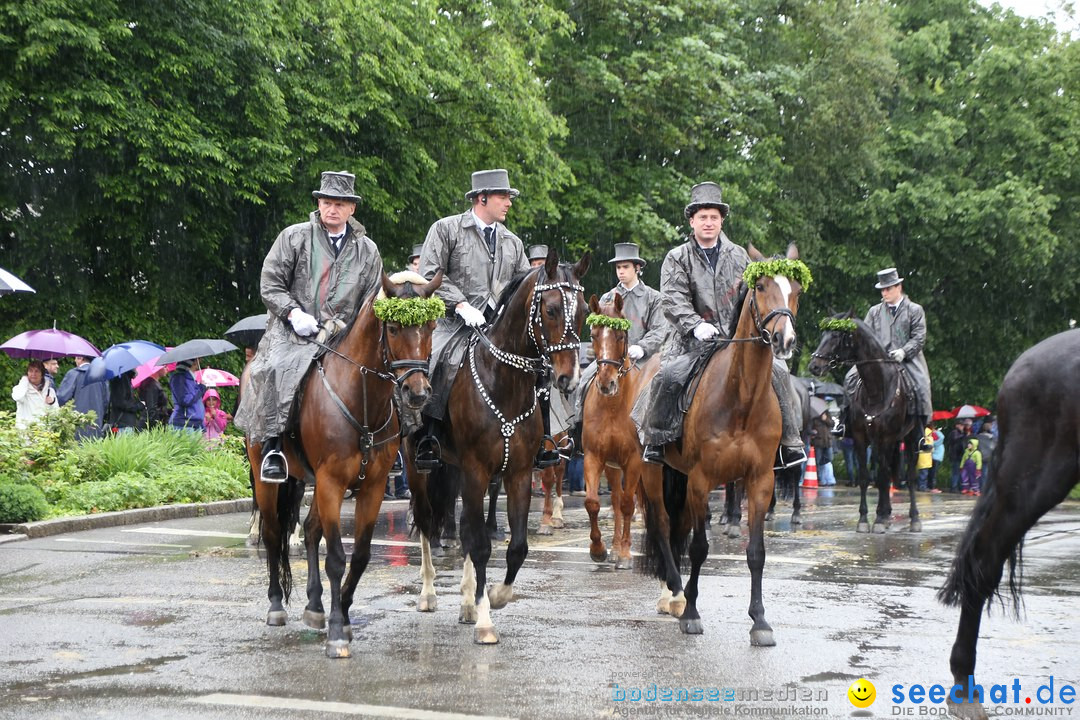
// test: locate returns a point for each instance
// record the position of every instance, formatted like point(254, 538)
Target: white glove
point(705, 331)
point(635, 352)
point(471, 316)
point(897, 355)
point(302, 323)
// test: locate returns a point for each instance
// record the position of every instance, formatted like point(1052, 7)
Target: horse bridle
point(760, 322)
point(622, 365)
point(569, 293)
point(845, 351)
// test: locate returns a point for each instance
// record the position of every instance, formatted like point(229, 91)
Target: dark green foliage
point(21, 502)
point(410, 311)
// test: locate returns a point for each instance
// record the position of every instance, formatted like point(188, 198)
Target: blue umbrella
point(118, 359)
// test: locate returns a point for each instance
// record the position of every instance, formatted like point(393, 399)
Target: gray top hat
point(887, 278)
point(627, 252)
point(416, 251)
point(706, 194)
point(538, 252)
point(490, 181)
point(337, 186)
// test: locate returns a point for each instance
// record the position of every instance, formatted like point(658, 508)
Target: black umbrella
point(249, 331)
point(823, 389)
point(200, 347)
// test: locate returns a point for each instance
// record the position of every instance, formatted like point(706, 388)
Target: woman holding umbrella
point(33, 396)
point(126, 412)
point(188, 410)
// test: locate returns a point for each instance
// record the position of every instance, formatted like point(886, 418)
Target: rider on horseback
point(900, 325)
point(314, 279)
point(699, 285)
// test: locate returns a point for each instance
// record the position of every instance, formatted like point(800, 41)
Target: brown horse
point(493, 430)
point(347, 437)
point(551, 480)
point(731, 432)
point(608, 435)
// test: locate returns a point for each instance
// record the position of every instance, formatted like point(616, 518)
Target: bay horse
point(608, 436)
point(1036, 463)
point(347, 437)
point(881, 412)
point(551, 481)
point(493, 429)
point(731, 432)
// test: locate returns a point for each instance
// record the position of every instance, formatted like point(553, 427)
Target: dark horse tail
point(970, 582)
point(675, 506)
point(443, 487)
point(290, 498)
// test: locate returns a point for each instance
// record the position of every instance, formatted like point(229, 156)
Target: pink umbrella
point(147, 369)
point(212, 377)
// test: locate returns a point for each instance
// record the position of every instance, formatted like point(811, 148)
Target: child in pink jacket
point(215, 419)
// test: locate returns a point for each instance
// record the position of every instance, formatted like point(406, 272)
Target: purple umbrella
point(45, 344)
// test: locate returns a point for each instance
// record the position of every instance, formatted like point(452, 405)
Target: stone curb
point(58, 526)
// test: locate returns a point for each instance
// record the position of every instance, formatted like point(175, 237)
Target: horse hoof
point(500, 595)
point(967, 711)
point(863, 527)
point(732, 532)
point(338, 649)
point(485, 636)
point(598, 556)
point(624, 563)
point(467, 616)
point(762, 638)
point(880, 528)
point(796, 520)
point(276, 618)
point(916, 526)
point(691, 626)
point(663, 606)
point(558, 523)
point(544, 530)
point(677, 607)
point(427, 603)
point(770, 516)
point(314, 619)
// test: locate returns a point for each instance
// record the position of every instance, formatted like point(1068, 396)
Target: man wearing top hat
point(699, 287)
point(900, 326)
point(478, 256)
point(537, 255)
point(414, 259)
point(313, 280)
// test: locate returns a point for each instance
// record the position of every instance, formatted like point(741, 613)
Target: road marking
point(301, 705)
point(181, 531)
point(80, 541)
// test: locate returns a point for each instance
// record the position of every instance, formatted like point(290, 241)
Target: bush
point(122, 491)
point(21, 502)
point(197, 483)
point(144, 453)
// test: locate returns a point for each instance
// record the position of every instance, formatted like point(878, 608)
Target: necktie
point(892, 309)
point(489, 237)
point(336, 241)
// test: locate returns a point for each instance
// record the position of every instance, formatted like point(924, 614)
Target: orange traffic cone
point(810, 476)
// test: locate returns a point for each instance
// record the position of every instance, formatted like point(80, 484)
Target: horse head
point(556, 315)
point(837, 344)
point(775, 287)
point(610, 341)
point(408, 312)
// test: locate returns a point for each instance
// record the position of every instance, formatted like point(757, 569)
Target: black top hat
point(706, 194)
point(537, 252)
point(627, 252)
point(337, 186)
point(416, 250)
point(887, 278)
point(490, 181)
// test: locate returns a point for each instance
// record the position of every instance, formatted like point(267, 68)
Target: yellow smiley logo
point(861, 693)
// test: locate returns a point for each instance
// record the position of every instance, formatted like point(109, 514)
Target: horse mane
point(863, 330)
point(740, 299)
point(515, 282)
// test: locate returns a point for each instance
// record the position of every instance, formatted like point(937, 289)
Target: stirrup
point(787, 457)
point(548, 456)
point(428, 454)
point(653, 454)
point(274, 469)
point(567, 447)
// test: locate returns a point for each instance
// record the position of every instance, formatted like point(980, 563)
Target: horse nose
point(609, 388)
point(418, 396)
point(566, 383)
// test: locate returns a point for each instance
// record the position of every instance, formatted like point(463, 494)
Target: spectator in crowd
point(822, 442)
point(52, 366)
point(34, 396)
point(955, 448)
point(847, 446)
point(397, 482)
point(188, 410)
point(88, 397)
point(987, 441)
point(153, 397)
point(214, 418)
point(937, 456)
point(971, 464)
point(925, 462)
point(126, 413)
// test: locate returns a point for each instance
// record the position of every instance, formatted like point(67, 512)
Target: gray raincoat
point(905, 331)
point(470, 273)
point(301, 271)
point(642, 307)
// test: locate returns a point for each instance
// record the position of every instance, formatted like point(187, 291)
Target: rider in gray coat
point(314, 279)
point(699, 284)
point(899, 324)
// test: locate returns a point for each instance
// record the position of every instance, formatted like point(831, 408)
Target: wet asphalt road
point(167, 620)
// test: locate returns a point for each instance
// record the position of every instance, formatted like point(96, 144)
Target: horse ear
point(389, 288)
point(752, 251)
point(792, 252)
point(850, 313)
point(551, 265)
point(594, 304)
point(426, 290)
point(618, 303)
point(582, 265)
